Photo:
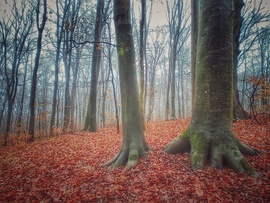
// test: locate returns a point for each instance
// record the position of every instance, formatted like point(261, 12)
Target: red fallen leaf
point(67, 168)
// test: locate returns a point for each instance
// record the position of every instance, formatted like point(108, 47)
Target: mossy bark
point(210, 135)
point(134, 144)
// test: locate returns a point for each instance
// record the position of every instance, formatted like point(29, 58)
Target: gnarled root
point(220, 149)
point(128, 156)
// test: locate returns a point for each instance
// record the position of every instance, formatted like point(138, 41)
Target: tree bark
point(74, 87)
point(134, 144)
point(210, 134)
point(40, 28)
point(142, 48)
point(194, 38)
point(90, 120)
point(15, 54)
point(238, 110)
point(59, 36)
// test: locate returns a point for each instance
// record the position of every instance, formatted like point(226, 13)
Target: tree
point(194, 37)
point(18, 26)
point(40, 28)
point(142, 56)
point(134, 144)
point(238, 110)
point(59, 37)
point(70, 25)
point(90, 120)
point(254, 23)
point(156, 51)
point(179, 31)
point(210, 134)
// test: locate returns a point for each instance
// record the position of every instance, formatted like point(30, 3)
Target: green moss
point(248, 168)
point(197, 159)
point(121, 51)
point(199, 150)
point(185, 135)
point(199, 142)
point(133, 157)
point(235, 153)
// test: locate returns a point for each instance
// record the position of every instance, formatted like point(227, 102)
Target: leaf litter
point(68, 168)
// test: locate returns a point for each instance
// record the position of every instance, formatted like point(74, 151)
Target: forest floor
point(67, 168)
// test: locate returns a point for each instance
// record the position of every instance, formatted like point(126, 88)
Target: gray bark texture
point(210, 134)
point(134, 145)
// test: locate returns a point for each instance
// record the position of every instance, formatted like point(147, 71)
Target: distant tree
point(254, 23)
point(194, 38)
point(91, 115)
point(40, 28)
point(156, 50)
point(179, 31)
point(238, 110)
point(60, 26)
point(210, 133)
point(68, 59)
point(15, 31)
point(134, 144)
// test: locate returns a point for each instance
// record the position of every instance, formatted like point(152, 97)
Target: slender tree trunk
point(238, 110)
point(31, 129)
point(194, 39)
point(20, 118)
point(173, 62)
point(74, 87)
point(59, 34)
point(67, 52)
point(167, 107)
point(55, 101)
point(91, 115)
point(113, 83)
point(104, 96)
point(142, 50)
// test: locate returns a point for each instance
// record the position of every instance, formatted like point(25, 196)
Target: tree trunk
point(59, 35)
point(134, 144)
point(90, 120)
point(67, 52)
point(20, 118)
point(238, 110)
point(142, 50)
point(31, 129)
point(210, 134)
point(194, 38)
point(173, 69)
point(74, 86)
point(112, 80)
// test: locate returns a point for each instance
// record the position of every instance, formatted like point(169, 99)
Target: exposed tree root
point(128, 156)
point(216, 149)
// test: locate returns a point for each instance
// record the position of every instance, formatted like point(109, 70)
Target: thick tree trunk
point(134, 144)
point(210, 134)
